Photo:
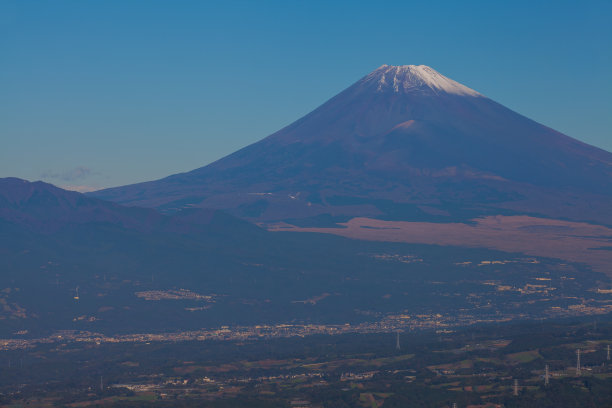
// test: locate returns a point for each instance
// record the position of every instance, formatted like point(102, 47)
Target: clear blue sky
point(107, 93)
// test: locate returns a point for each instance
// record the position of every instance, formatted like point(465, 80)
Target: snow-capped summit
point(416, 78)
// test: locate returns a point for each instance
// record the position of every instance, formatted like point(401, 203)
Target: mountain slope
point(403, 142)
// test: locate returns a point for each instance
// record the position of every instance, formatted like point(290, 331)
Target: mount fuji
point(402, 143)
point(442, 192)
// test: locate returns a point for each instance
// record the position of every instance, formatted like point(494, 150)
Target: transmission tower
point(578, 371)
point(397, 342)
point(546, 376)
point(608, 354)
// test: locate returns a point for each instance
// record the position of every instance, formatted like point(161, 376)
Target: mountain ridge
point(45, 208)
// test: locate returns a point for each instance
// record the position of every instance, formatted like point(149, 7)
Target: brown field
point(570, 241)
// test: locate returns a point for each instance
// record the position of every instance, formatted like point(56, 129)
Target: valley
point(370, 288)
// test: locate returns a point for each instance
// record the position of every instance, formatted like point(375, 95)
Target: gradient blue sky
point(106, 93)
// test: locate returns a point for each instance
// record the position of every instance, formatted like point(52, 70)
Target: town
point(486, 365)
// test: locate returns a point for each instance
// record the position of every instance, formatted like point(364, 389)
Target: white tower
point(578, 372)
point(546, 375)
point(515, 387)
point(397, 342)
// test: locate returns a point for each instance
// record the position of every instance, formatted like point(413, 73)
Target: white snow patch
point(410, 78)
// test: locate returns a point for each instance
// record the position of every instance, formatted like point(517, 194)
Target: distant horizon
point(104, 95)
